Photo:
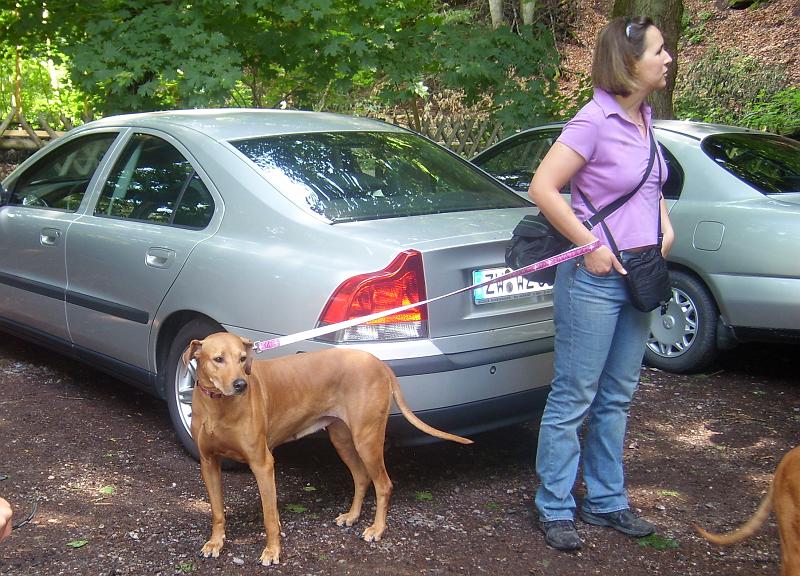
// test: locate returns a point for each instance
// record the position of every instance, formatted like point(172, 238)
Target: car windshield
point(350, 176)
point(769, 163)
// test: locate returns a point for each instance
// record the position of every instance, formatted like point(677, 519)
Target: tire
point(179, 384)
point(684, 340)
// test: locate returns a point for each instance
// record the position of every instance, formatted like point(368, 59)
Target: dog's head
point(223, 361)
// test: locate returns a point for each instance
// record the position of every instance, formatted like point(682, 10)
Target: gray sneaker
point(623, 520)
point(561, 535)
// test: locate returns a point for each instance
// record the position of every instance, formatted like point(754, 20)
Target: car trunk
point(454, 246)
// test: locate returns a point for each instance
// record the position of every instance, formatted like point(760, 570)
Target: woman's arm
point(558, 166)
point(556, 169)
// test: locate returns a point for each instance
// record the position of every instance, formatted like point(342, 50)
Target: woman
point(599, 344)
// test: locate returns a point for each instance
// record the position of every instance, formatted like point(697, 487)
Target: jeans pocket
point(582, 268)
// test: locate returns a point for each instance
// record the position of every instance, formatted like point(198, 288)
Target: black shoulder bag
point(535, 239)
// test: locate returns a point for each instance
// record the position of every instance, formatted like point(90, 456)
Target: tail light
point(401, 283)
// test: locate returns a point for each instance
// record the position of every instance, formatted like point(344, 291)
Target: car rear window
point(349, 176)
point(769, 163)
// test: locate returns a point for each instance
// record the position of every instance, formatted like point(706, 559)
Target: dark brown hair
point(620, 44)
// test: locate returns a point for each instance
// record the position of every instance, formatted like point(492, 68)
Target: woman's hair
point(620, 44)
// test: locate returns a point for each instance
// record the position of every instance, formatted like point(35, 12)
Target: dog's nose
point(239, 385)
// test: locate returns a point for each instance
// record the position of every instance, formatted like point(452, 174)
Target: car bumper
point(473, 392)
point(470, 419)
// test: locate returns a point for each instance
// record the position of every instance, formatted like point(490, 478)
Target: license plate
point(508, 289)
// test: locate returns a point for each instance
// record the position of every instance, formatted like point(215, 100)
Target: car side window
point(674, 185)
point(153, 182)
point(515, 164)
point(60, 179)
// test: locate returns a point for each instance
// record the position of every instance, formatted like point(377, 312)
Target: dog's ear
point(248, 363)
point(191, 350)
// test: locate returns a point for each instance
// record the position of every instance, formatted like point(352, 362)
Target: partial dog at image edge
point(243, 408)
point(783, 497)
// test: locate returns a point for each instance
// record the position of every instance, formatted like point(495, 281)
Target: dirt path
point(118, 496)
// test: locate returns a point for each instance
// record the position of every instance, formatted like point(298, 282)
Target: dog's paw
point(270, 556)
point(346, 519)
point(211, 549)
point(372, 534)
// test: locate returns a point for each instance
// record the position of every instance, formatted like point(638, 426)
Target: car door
point(123, 255)
point(44, 202)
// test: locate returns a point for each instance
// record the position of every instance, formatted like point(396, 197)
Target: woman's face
point(652, 67)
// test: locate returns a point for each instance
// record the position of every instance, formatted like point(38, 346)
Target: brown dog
point(242, 409)
point(783, 497)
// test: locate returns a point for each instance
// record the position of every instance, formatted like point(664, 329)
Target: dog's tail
point(411, 417)
point(744, 531)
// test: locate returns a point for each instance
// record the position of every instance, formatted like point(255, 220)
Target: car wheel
point(180, 383)
point(685, 338)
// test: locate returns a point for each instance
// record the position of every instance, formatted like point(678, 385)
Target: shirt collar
point(609, 105)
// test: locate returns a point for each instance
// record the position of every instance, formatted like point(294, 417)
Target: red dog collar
point(209, 393)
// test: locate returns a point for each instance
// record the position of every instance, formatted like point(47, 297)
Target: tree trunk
point(496, 11)
point(528, 10)
point(18, 82)
point(667, 15)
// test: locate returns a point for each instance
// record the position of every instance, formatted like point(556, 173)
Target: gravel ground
point(116, 494)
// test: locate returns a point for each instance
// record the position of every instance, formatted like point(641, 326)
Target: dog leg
point(211, 472)
point(786, 505)
point(371, 452)
point(264, 472)
point(342, 440)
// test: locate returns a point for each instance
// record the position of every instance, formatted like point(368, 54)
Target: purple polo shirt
point(616, 157)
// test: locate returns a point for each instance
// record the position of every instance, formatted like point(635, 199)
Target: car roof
point(698, 130)
point(238, 123)
point(695, 130)
point(688, 127)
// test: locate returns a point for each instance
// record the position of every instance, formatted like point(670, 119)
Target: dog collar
point(207, 392)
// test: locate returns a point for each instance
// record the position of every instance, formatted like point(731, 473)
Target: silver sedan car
point(734, 197)
point(130, 236)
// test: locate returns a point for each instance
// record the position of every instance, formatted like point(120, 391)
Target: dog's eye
point(219, 359)
point(243, 359)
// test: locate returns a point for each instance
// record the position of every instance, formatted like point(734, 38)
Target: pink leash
point(262, 345)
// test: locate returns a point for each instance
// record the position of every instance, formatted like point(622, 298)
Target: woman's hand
point(5, 520)
point(600, 262)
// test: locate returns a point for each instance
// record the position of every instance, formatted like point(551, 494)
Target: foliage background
point(380, 58)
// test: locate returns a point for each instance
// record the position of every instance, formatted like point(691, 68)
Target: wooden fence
point(16, 132)
point(464, 136)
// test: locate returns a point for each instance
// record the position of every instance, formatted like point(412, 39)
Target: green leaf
point(309, 488)
point(297, 508)
point(108, 490)
point(423, 496)
point(77, 543)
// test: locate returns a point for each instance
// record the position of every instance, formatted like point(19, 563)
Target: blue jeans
point(599, 345)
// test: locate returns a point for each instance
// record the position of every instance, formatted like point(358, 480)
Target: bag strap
point(598, 217)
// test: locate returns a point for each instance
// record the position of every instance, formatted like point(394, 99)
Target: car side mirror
point(5, 195)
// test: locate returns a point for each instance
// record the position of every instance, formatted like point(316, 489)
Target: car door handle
point(49, 236)
point(159, 257)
